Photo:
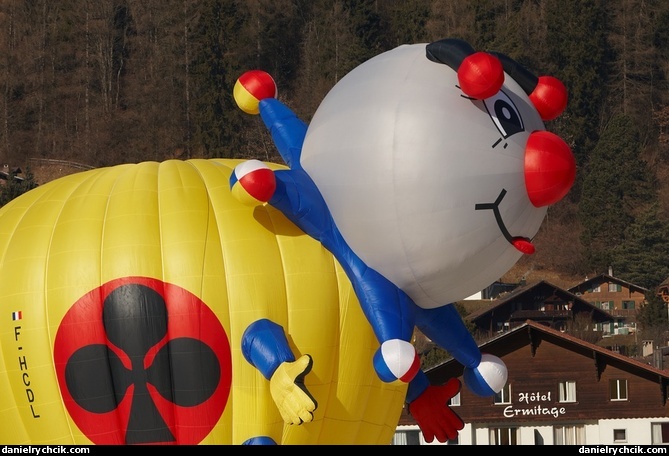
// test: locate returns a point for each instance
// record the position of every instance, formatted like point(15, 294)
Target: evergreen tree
point(642, 257)
point(278, 25)
point(219, 59)
point(407, 22)
point(616, 186)
point(487, 14)
point(367, 26)
point(576, 51)
point(653, 314)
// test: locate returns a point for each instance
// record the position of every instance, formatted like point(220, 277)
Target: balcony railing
point(622, 312)
point(541, 314)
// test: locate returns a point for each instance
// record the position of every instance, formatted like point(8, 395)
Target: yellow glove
point(290, 395)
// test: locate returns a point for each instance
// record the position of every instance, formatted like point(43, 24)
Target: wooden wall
point(535, 379)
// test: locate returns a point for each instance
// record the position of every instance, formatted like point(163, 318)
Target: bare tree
point(583, 327)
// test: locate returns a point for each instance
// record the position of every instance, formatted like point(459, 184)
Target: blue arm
point(264, 346)
point(287, 130)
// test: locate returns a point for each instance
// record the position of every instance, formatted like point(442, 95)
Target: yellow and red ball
point(251, 87)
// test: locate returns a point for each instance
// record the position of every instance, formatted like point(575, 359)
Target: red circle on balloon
point(187, 319)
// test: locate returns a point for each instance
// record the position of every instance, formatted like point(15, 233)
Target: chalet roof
point(664, 284)
point(605, 278)
point(4, 175)
point(544, 290)
point(530, 332)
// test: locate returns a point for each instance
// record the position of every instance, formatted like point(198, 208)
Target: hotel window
point(619, 435)
point(504, 396)
point(569, 435)
point(406, 438)
point(618, 389)
point(660, 433)
point(613, 287)
point(454, 401)
point(567, 392)
point(596, 289)
point(504, 436)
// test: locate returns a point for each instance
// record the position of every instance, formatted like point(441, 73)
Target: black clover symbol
point(184, 371)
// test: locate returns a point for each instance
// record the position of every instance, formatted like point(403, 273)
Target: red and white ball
point(251, 87)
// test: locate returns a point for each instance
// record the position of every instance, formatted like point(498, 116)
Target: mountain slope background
point(103, 83)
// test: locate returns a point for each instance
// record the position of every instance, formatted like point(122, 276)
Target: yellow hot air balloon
point(230, 301)
point(125, 294)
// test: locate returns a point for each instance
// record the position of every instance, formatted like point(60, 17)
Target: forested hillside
point(115, 81)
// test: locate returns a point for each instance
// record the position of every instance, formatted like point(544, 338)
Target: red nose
point(550, 168)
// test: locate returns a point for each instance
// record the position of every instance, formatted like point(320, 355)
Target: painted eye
point(504, 114)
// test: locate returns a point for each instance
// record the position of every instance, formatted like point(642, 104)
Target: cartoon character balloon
point(146, 304)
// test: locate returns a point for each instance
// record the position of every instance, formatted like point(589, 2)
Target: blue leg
point(484, 375)
point(444, 326)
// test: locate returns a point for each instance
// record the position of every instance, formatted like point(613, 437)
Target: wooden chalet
point(5, 174)
point(618, 297)
point(541, 302)
point(560, 390)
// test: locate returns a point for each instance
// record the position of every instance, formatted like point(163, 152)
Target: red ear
point(549, 97)
point(480, 75)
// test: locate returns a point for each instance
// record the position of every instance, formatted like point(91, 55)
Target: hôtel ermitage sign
point(535, 405)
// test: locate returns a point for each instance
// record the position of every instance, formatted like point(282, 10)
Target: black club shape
point(185, 371)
